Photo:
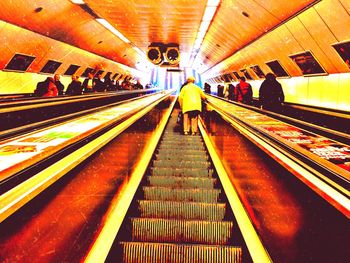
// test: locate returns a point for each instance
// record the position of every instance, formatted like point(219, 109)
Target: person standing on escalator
point(271, 96)
point(190, 100)
point(244, 92)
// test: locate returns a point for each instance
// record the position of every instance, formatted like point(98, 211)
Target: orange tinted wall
point(18, 40)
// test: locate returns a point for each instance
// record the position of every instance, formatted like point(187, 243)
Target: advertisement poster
point(257, 70)
point(277, 68)
point(343, 50)
point(19, 62)
point(307, 63)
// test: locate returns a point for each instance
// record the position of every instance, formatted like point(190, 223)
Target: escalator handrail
point(18, 196)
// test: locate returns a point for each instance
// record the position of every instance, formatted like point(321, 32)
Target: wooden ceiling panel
point(324, 38)
point(144, 22)
point(16, 41)
point(307, 42)
point(336, 15)
point(247, 20)
point(81, 31)
point(236, 24)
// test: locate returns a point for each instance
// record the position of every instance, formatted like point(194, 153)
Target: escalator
point(180, 213)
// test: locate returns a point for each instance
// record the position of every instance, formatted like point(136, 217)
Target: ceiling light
point(209, 13)
point(138, 50)
point(204, 26)
point(213, 2)
point(79, 2)
point(107, 25)
point(201, 34)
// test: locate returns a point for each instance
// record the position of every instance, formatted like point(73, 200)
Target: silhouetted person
point(59, 85)
point(207, 88)
point(108, 83)
point(46, 88)
point(99, 85)
point(138, 85)
point(231, 92)
point(271, 94)
point(220, 91)
point(88, 84)
point(74, 88)
point(244, 92)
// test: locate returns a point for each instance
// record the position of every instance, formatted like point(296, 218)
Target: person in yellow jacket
point(191, 105)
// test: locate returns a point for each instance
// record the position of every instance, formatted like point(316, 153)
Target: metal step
point(182, 210)
point(181, 147)
point(180, 218)
point(172, 164)
point(184, 140)
point(202, 157)
point(181, 231)
point(136, 252)
point(184, 195)
point(181, 182)
point(192, 156)
point(191, 172)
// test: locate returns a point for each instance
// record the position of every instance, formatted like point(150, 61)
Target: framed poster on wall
point(308, 64)
point(86, 72)
point(100, 72)
point(246, 74)
point(230, 77)
point(277, 69)
point(343, 50)
point(226, 78)
point(71, 70)
point(51, 66)
point(236, 75)
point(19, 62)
point(257, 70)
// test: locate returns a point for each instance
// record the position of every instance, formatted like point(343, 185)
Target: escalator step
point(181, 231)
point(182, 210)
point(179, 253)
point(183, 147)
point(181, 182)
point(180, 163)
point(180, 141)
point(200, 156)
point(187, 195)
point(174, 135)
point(191, 172)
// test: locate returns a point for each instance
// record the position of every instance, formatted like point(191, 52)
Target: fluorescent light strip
point(213, 2)
point(138, 50)
point(78, 2)
point(208, 15)
point(204, 26)
point(107, 25)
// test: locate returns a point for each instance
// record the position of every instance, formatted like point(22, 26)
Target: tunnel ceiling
point(235, 24)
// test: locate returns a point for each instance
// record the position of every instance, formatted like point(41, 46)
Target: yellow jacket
point(190, 98)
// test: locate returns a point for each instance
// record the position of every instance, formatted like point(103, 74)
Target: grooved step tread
point(173, 164)
point(187, 147)
point(186, 157)
point(184, 231)
point(179, 253)
point(187, 195)
point(181, 182)
point(182, 210)
point(191, 172)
